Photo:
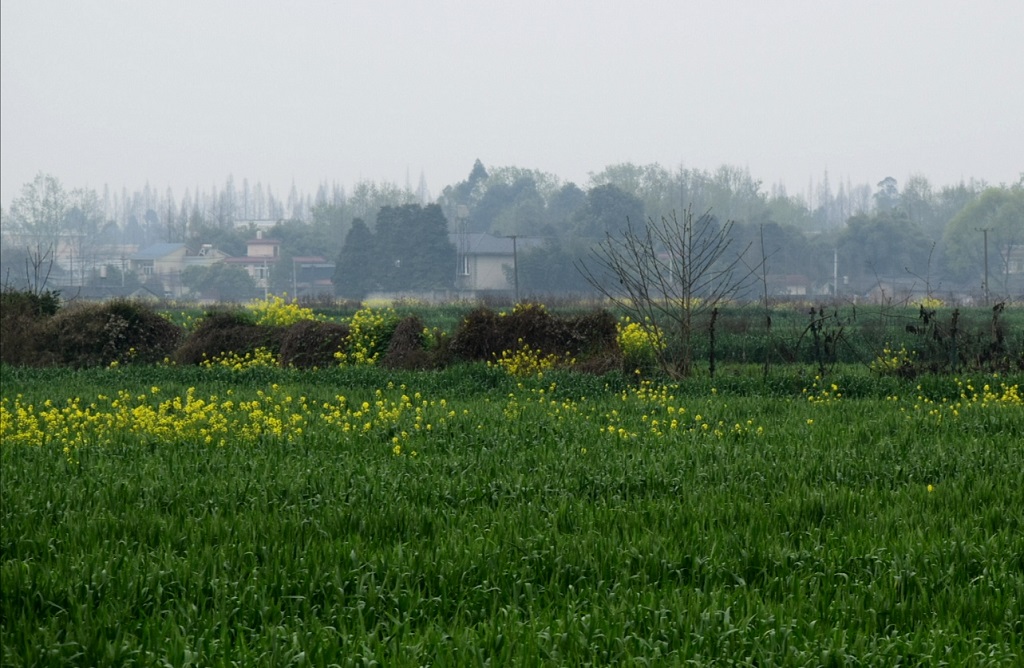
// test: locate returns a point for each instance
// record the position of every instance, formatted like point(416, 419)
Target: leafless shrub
point(667, 276)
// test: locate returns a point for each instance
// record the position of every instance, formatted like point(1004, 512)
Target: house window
point(464, 266)
point(147, 270)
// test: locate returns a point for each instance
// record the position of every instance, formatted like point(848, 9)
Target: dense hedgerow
point(36, 331)
point(407, 347)
point(930, 339)
point(99, 334)
point(308, 344)
point(228, 332)
point(22, 313)
point(486, 335)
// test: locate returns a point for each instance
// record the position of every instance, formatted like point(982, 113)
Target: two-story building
point(261, 255)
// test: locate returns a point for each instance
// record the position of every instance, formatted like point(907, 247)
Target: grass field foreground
point(185, 516)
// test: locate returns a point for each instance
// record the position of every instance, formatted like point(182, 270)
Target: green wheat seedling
point(350, 516)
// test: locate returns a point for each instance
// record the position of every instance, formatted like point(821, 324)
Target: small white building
point(486, 263)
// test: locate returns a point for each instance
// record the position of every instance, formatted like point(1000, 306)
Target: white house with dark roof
point(486, 262)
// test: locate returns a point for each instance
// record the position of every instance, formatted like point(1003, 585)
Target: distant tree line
point(886, 232)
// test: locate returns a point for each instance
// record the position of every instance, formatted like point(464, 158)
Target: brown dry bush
point(478, 335)
point(98, 334)
point(309, 343)
point(594, 332)
point(596, 342)
point(18, 336)
point(406, 349)
point(224, 332)
point(22, 314)
point(590, 338)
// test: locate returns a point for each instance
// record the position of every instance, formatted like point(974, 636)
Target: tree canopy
point(997, 214)
point(408, 249)
point(220, 281)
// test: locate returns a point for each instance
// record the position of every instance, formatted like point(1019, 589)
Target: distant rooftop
point(157, 251)
point(480, 243)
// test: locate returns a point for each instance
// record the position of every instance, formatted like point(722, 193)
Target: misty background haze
point(181, 94)
point(858, 132)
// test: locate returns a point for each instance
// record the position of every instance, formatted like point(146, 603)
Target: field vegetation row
point(38, 331)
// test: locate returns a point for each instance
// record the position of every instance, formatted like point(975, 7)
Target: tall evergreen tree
point(413, 248)
point(354, 272)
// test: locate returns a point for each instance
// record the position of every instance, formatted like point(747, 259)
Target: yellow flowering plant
point(640, 343)
point(277, 311)
point(259, 358)
point(893, 362)
point(369, 333)
point(526, 361)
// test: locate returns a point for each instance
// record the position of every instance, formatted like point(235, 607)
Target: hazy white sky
point(184, 93)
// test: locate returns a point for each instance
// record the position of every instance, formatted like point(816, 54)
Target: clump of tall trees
point(408, 249)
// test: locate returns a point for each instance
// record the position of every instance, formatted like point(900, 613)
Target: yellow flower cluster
point(277, 311)
point(183, 319)
point(527, 307)
point(640, 344)
point(819, 394)
point(127, 418)
point(892, 362)
point(969, 399)
point(527, 361)
point(931, 303)
point(397, 423)
point(639, 340)
point(661, 416)
point(538, 406)
point(259, 358)
point(367, 338)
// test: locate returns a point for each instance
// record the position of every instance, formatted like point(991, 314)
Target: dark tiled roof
point(479, 243)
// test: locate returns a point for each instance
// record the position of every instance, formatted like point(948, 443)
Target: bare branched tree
point(667, 275)
point(38, 265)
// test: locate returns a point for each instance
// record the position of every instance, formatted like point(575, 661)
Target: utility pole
point(515, 265)
point(984, 231)
point(835, 273)
point(462, 262)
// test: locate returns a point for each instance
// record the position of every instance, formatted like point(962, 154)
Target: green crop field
point(165, 515)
